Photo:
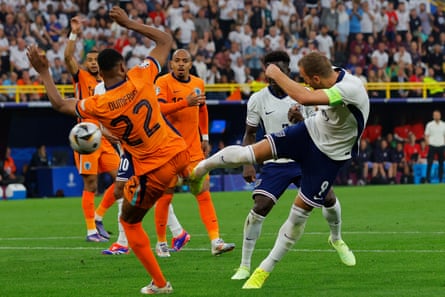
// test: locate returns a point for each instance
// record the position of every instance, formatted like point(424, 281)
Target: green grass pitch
point(396, 232)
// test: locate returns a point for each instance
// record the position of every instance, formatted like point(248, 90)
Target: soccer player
point(130, 111)
point(105, 159)
point(322, 144)
point(182, 100)
point(272, 108)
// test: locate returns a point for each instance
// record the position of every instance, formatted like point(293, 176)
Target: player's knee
point(263, 205)
point(330, 198)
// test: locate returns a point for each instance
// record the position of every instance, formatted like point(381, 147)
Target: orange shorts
point(105, 159)
point(143, 191)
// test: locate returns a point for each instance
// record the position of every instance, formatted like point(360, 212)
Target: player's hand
point(37, 58)
point(195, 100)
point(76, 25)
point(249, 173)
point(205, 148)
point(119, 15)
point(294, 115)
point(272, 70)
point(110, 137)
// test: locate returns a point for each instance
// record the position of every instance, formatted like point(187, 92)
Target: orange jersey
point(130, 111)
point(190, 121)
point(84, 84)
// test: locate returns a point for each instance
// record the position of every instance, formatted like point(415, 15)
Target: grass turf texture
point(396, 232)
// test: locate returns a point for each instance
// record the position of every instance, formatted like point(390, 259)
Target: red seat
point(418, 129)
point(401, 132)
point(372, 133)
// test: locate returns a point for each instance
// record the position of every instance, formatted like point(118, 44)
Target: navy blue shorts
point(126, 169)
point(318, 170)
point(275, 178)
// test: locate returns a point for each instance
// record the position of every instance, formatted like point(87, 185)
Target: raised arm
point(40, 63)
point(163, 40)
point(70, 61)
point(296, 90)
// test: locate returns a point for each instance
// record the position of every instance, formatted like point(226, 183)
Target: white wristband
point(73, 36)
point(205, 137)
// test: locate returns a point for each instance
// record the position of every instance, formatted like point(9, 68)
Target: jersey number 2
point(148, 130)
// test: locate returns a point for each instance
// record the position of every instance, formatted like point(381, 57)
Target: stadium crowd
point(378, 40)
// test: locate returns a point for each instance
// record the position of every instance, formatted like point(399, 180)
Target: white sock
point(229, 157)
point(173, 223)
point(122, 238)
point(98, 217)
point(252, 230)
point(290, 232)
point(333, 217)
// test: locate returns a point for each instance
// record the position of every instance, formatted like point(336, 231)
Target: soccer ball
point(85, 137)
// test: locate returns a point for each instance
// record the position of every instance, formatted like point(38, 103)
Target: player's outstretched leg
point(229, 157)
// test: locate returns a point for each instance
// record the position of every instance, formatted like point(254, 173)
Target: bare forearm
point(57, 102)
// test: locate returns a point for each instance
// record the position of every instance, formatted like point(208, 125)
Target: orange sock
point(140, 244)
point(161, 216)
point(208, 214)
point(88, 210)
point(107, 201)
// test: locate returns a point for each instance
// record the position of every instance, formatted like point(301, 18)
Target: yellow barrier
point(387, 87)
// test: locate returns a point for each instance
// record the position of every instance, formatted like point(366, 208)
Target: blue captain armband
point(335, 98)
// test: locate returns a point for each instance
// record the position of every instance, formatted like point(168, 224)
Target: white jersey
point(336, 129)
point(99, 89)
point(270, 111)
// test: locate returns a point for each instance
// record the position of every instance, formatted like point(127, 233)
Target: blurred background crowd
point(377, 40)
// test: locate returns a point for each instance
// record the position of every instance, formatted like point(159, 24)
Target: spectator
point(202, 23)
point(381, 56)
point(4, 52)
point(311, 22)
point(325, 42)
point(392, 21)
point(158, 13)
point(400, 77)
point(188, 31)
point(11, 80)
point(11, 28)
point(426, 20)
point(8, 170)
point(39, 32)
point(362, 163)
point(415, 23)
point(403, 20)
point(381, 167)
point(423, 155)
point(252, 56)
point(367, 20)
point(54, 27)
point(330, 18)
point(380, 22)
point(342, 28)
point(434, 88)
point(18, 59)
point(400, 165)
point(435, 60)
point(38, 159)
point(411, 150)
point(355, 16)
